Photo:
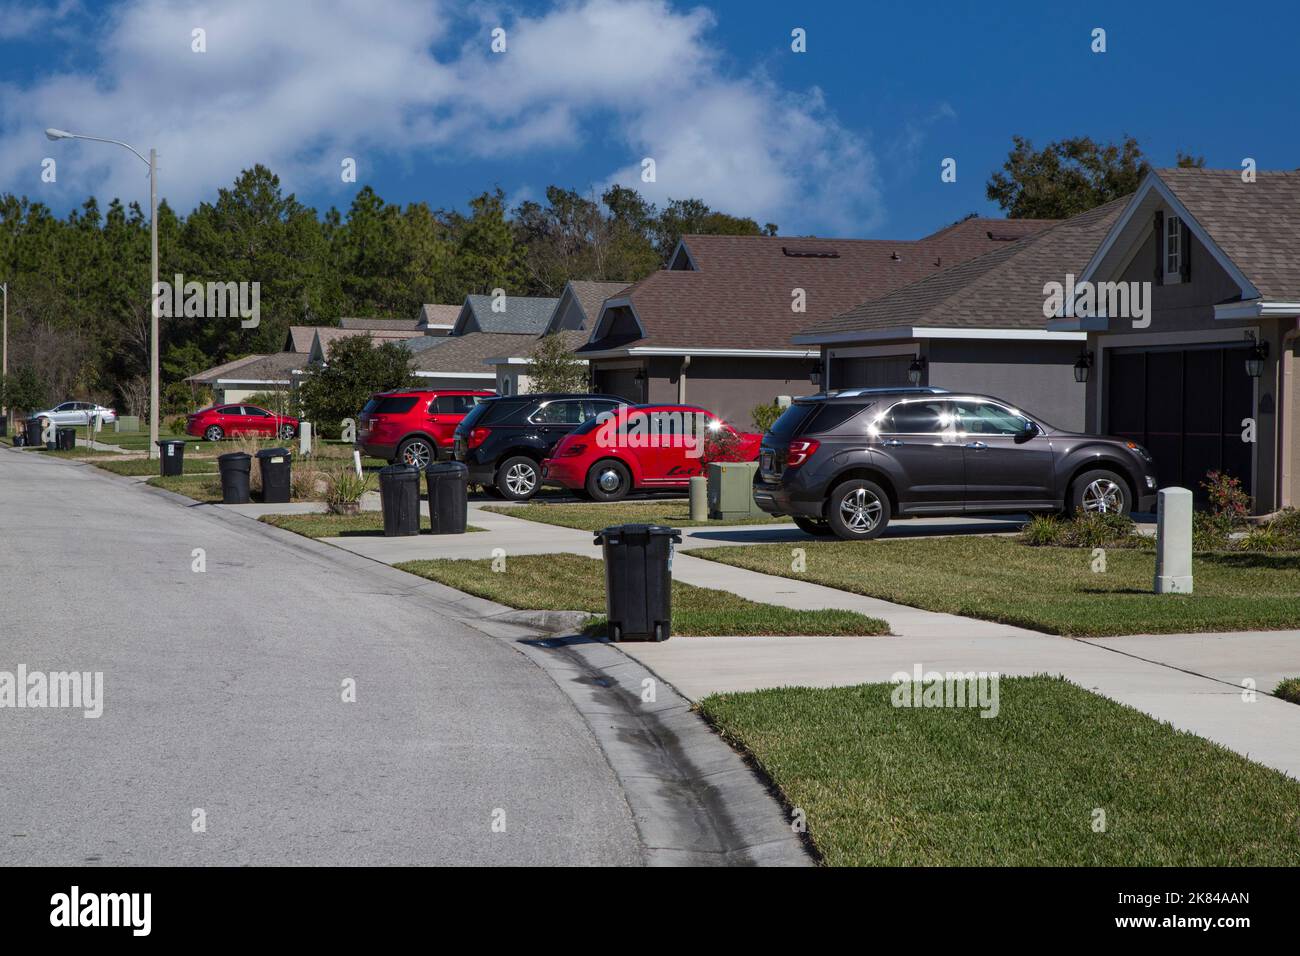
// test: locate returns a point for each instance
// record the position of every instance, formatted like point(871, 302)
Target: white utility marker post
point(304, 439)
point(356, 458)
point(1174, 542)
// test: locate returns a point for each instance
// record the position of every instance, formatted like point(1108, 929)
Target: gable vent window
point(809, 252)
point(1174, 249)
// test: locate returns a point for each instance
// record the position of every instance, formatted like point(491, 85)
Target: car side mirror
point(1027, 433)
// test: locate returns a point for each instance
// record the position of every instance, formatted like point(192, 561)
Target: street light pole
point(152, 163)
point(4, 362)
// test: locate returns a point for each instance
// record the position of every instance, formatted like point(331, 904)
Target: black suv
point(503, 440)
point(845, 462)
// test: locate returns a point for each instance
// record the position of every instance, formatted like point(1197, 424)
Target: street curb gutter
point(694, 800)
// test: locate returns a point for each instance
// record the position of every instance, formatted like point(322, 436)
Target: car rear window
point(832, 415)
point(391, 405)
point(454, 404)
point(790, 420)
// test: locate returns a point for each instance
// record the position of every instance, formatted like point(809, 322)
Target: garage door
point(621, 382)
point(865, 372)
point(1186, 407)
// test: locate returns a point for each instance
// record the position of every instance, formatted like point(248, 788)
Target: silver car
point(76, 413)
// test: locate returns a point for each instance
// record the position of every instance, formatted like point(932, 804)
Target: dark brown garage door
point(621, 382)
point(864, 372)
point(1186, 407)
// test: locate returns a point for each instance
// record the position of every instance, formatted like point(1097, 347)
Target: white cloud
point(299, 84)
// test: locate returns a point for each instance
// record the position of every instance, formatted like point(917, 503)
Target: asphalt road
point(222, 692)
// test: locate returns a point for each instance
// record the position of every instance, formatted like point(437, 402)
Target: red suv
point(644, 447)
point(412, 426)
point(227, 421)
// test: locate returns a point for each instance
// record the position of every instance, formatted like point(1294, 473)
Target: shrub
point(343, 490)
point(1227, 498)
point(765, 415)
point(721, 444)
point(1288, 689)
point(1041, 530)
point(1287, 524)
point(176, 425)
point(1210, 531)
point(1264, 540)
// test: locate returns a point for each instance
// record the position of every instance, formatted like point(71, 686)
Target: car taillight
point(478, 436)
point(577, 448)
point(798, 451)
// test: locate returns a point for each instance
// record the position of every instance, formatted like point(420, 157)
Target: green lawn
point(366, 524)
point(888, 786)
point(146, 466)
point(593, 517)
point(1047, 589)
point(571, 582)
point(203, 488)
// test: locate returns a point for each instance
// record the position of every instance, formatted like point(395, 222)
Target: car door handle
point(891, 443)
point(976, 444)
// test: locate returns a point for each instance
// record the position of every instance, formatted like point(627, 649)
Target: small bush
point(1264, 541)
point(765, 415)
point(1210, 531)
point(1041, 530)
point(343, 490)
point(1289, 689)
point(176, 425)
point(1286, 524)
point(1228, 500)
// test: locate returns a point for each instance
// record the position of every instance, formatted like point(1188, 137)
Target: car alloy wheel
point(521, 479)
point(1103, 496)
point(213, 433)
point(608, 480)
point(416, 453)
point(860, 510)
point(286, 432)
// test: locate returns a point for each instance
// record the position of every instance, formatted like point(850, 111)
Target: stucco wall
point(730, 387)
point(1037, 376)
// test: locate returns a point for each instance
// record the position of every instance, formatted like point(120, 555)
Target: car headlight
point(1139, 451)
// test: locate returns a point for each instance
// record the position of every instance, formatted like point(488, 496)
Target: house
point(485, 327)
point(299, 338)
point(715, 326)
point(438, 319)
point(238, 380)
point(573, 318)
point(1206, 378)
point(977, 326)
point(327, 335)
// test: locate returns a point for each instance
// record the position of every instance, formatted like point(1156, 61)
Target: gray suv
point(845, 462)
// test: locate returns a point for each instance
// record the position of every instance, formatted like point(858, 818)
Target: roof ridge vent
point(810, 252)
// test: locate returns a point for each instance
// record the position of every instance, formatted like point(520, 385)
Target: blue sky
point(845, 139)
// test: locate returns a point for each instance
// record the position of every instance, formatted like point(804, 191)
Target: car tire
point(417, 451)
point(1100, 492)
point(817, 527)
point(492, 491)
point(213, 433)
point(287, 432)
point(519, 478)
point(858, 510)
point(609, 480)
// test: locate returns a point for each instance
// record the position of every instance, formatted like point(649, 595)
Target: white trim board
point(924, 332)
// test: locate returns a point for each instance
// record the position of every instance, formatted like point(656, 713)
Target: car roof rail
point(865, 391)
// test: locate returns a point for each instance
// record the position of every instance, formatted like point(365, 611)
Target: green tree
point(23, 391)
point(555, 369)
point(693, 217)
point(1065, 178)
point(356, 369)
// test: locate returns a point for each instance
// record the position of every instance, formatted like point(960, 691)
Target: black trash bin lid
point(615, 532)
point(446, 467)
point(274, 453)
point(402, 472)
point(232, 457)
point(174, 441)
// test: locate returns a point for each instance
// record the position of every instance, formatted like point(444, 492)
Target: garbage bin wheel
point(416, 451)
point(609, 480)
point(518, 478)
point(286, 432)
point(213, 433)
point(615, 632)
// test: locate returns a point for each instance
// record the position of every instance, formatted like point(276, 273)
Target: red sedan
point(228, 421)
point(644, 447)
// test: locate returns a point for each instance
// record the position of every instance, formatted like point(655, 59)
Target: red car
point(413, 426)
point(644, 447)
point(228, 421)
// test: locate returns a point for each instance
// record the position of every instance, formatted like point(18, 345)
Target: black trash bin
point(639, 580)
point(65, 439)
point(448, 496)
point(399, 493)
point(171, 457)
point(235, 467)
point(34, 433)
point(276, 466)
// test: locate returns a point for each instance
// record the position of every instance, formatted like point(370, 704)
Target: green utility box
point(127, 423)
point(731, 490)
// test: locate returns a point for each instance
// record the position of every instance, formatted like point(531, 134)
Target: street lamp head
point(53, 133)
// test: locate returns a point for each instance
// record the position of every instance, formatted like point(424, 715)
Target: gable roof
point(466, 354)
point(299, 338)
point(522, 314)
point(254, 369)
point(739, 295)
point(591, 295)
point(211, 374)
point(380, 325)
point(1002, 289)
point(436, 316)
point(1257, 225)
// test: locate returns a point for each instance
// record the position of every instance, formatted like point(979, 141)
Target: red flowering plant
point(1229, 502)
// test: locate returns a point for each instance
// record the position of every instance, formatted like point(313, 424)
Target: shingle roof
point(329, 335)
point(439, 315)
point(254, 368)
point(380, 325)
point(300, 337)
point(522, 313)
point(211, 374)
point(742, 294)
point(1002, 289)
point(1257, 225)
point(466, 353)
point(590, 296)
